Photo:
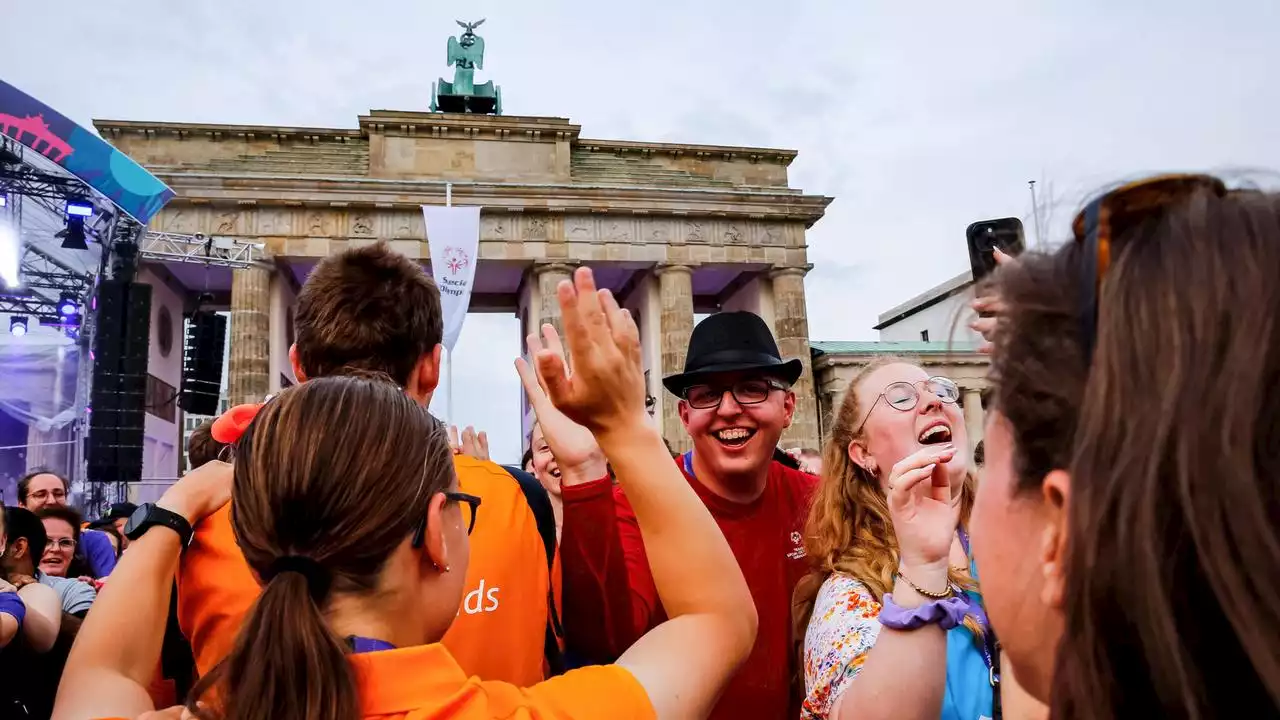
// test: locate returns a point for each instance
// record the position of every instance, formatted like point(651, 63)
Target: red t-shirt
point(610, 599)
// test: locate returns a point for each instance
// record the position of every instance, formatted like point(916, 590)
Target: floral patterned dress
point(842, 630)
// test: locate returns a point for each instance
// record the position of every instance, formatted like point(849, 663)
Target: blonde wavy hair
point(848, 530)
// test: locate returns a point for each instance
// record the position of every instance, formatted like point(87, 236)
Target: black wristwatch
point(150, 514)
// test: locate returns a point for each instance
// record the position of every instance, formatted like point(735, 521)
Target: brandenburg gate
point(672, 229)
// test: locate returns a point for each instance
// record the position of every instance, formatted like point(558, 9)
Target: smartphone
point(985, 236)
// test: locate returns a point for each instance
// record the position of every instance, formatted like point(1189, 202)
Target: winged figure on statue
point(466, 55)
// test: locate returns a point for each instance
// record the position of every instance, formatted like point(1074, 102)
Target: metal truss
point(42, 271)
point(206, 250)
point(51, 191)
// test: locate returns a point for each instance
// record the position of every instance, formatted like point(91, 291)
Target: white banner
point(454, 236)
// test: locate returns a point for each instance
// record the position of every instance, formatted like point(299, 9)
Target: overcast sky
point(919, 118)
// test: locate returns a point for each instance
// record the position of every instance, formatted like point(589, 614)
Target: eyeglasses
point(46, 494)
point(745, 392)
point(1112, 215)
point(904, 396)
point(66, 544)
point(470, 505)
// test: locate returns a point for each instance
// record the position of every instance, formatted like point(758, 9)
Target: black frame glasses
point(420, 531)
point(1111, 215)
point(770, 384)
point(909, 402)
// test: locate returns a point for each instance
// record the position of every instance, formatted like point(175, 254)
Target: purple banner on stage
point(82, 154)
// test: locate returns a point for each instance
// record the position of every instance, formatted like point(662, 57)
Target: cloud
point(917, 118)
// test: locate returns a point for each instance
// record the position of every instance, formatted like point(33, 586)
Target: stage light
point(68, 304)
point(18, 325)
point(79, 208)
point(4, 200)
point(73, 236)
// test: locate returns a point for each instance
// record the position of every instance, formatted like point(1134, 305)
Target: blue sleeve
point(99, 553)
point(77, 597)
point(11, 604)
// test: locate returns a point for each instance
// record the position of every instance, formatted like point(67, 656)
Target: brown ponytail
point(330, 478)
point(286, 630)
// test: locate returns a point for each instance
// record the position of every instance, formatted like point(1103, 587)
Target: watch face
point(138, 517)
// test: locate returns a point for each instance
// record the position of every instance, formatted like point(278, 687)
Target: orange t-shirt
point(426, 683)
point(498, 633)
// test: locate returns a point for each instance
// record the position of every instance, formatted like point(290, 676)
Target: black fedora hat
point(731, 342)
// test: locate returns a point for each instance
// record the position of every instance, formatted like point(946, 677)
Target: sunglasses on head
point(1110, 217)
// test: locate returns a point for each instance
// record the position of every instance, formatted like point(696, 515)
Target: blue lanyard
point(687, 458)
point(367, 645)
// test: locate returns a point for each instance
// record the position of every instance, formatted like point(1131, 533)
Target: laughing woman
point(891, 625)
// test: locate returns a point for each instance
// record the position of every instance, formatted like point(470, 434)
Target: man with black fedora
point(735, 400)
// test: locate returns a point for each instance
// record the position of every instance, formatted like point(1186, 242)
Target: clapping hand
point(605, 393)
point(574, 447)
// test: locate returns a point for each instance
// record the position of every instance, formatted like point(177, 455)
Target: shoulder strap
point(540, 503)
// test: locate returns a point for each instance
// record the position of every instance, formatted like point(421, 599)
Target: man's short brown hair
point(201, 447)
point(370, 308)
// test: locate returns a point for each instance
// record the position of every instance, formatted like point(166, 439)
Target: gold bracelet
point(935, 595)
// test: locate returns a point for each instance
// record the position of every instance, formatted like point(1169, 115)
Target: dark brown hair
point(66, 515)
point(338, 470)
point(202, 449)
point(370, 308)
point(24, 484)
point(1173, 564)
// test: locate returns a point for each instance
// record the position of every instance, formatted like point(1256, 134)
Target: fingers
point(984, 326)
point(469, 441)
point(555, 378)
point(988, 304)
point(532, 385)
point(902, 485)
point(454, 444)
point(482, 443)
point(534, 342)
point(551, 339)
point(1001, 256)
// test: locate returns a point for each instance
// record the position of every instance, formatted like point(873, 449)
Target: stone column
point(973, 415)
point(675, 292)
point(791, 321)
point(248, 378)
point(545, 305)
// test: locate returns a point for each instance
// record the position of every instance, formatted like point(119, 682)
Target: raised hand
point(991, 306)
point(200, 492)
point(470, 443)
point(574, 447)
point(925, 513)
point(606, 391)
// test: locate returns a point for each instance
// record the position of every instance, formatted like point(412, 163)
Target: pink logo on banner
point(456, 260)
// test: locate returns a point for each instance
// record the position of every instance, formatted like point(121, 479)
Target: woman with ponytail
point(890, 622)
point(346, 508)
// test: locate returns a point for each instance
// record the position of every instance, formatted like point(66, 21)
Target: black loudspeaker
point(118, 401)
point(202, 363)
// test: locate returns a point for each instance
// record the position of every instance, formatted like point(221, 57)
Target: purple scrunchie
point(946, 613)
point(11, 604)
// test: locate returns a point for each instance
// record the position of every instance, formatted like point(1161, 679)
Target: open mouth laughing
point(734, 437)
point(936, 433)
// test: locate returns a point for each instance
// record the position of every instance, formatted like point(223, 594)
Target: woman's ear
point(1056, 489)
point(859, 456)
point(435, 543)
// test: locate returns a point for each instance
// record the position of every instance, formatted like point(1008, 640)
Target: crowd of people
point(336, 554)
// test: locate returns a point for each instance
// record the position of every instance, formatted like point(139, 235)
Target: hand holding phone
point(987, 236)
